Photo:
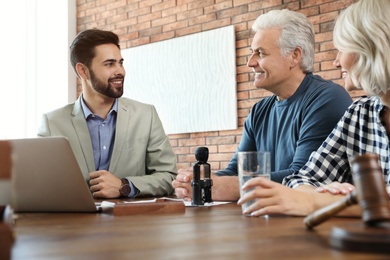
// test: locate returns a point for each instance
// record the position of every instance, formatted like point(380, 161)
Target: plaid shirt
point(358, 132)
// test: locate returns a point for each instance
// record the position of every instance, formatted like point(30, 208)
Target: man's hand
point(182, 184)
point(104, 184)
point(225, 188)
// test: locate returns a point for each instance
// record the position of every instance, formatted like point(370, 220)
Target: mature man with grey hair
point(296, 119)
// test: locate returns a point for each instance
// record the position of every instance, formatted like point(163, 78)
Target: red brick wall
point(140, 22)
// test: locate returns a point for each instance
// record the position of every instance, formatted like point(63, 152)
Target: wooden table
point(218, 232)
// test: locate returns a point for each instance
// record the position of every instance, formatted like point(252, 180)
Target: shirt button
point(104, 147)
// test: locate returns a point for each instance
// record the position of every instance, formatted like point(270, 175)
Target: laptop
point(47, 178)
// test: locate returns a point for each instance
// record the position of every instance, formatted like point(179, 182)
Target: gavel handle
point(319, 216)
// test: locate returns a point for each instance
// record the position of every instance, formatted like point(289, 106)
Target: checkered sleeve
point(358, 132)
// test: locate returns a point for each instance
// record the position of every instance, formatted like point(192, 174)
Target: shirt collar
point(88, 112)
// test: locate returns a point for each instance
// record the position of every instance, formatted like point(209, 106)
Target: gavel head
point(370, 186)
point(202, 154)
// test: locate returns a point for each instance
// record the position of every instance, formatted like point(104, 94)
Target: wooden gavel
point(370, 192)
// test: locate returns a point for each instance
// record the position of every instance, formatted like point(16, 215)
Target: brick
point(183, 165)
point(86, 19)
point(139, 12)
point(132, 6)
point(240, 27)
point(185, 158)
point(327, 65)
point(181, 150)
point(229, 148)
point(245, 86)
point(244, 51)
point(139, 26)
point(335, 6)
point(221, 157)
point(174, 10)
point(150, 31)
point(116, 4)
point(259, 93)
point(242, 77)
point(330, 74)
point(118, 31)
point(189, 30)
point(220, 140)
point(162, 36)
point(96, 11)
point(184, 2)
point(326, 27)
point(103, 2)
point(249, 16)
point(306, 3)
point(173, 142)
point(202, 19)
point(259, 5)
point(126, 23)
point(246, 103)
point(198, 4)
point(216, 24)
point(235, 132)
point(192, 141)
point(322, 37)
point(241, 61)
point(232, 12)
point(148, 17)
point(179, 136)
point(164, 5)
point(116, 18)
point(316, 67)
point(163, 21)
point(145, 3)
point(85, 6)
point(321, 18)
point(243, 113)
point(105, 14)
point(243, 69)
point(311, 11)
point(326, 46)
point(324, 56)
point(204, 134)
point(242, 44)
point(139, 41)
point(218, 6)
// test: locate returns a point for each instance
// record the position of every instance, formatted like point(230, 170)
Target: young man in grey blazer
point(119, 143)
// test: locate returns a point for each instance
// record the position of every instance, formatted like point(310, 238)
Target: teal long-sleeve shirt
point(293, 128)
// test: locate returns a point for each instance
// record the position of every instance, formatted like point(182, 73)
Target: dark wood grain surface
point(219, 232)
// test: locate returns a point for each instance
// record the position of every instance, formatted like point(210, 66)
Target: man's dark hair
point(82, 49)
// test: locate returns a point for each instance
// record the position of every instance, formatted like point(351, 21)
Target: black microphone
point(201, 188)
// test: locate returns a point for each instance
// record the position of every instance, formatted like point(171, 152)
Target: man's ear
point(296, 56)
point(82, 71)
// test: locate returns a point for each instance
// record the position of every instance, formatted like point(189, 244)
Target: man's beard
point(104, 88)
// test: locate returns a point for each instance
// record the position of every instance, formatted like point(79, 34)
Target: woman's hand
point(336, 188)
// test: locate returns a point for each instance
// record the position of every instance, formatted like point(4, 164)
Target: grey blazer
point(141, 151)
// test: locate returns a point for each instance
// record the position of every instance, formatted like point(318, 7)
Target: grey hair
point(296, 31)
point(364, 29)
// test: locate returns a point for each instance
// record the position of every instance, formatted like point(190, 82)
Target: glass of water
point(252, 164)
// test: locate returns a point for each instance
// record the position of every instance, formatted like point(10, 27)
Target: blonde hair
point(363, 29)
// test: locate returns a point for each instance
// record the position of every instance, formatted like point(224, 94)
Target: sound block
point(6, 232)
point(361, 237)
point(161, 206)
point(6, 241)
